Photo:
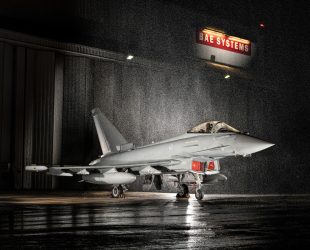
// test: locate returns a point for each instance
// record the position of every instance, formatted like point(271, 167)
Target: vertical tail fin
point(109, 136)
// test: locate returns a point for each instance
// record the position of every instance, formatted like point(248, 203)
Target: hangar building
point(58, 61)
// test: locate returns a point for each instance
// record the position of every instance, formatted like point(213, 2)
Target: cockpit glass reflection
point(213, 127)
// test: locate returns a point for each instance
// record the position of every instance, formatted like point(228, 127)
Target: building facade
point(75, 59)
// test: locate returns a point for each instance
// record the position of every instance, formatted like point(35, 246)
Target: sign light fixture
point(129, 57)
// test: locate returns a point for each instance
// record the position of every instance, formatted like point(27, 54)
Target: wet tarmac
point(153, 221)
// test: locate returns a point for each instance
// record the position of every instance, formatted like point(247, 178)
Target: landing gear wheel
point(199, 194)
point(183, 191)
point(117, 192)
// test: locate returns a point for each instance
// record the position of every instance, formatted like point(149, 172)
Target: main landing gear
point(183, 191)
point(118, 191)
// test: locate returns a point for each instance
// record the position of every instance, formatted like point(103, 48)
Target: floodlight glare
point(129, 57)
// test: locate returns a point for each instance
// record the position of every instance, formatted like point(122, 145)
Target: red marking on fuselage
point(211, 165)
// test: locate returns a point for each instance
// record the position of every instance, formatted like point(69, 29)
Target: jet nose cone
point(246, 145)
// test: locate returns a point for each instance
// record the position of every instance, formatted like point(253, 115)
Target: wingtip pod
point(36, 168)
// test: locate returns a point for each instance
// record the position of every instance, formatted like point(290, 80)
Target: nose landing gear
point(199, 193)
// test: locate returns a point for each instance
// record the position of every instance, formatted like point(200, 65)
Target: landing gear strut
point(198, 193)
point(183, 191)
point(118, 192)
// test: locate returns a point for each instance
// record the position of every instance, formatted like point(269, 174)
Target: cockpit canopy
point(213, 127)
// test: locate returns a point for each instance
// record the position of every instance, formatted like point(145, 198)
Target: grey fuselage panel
point(195, 144)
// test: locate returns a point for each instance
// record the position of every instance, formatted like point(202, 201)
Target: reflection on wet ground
point(156, 221)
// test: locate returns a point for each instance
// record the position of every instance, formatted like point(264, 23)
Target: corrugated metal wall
point(31, 81)
point(6, 76)
point(41, 80)
point(77, 106)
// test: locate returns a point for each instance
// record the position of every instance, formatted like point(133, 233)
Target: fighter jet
point(191, 159)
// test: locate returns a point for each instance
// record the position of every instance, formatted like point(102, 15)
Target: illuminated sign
point(222, 41)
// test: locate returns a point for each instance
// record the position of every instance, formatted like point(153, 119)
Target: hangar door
point(30, 113)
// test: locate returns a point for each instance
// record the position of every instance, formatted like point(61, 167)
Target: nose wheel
point(118, 192)
point(199, 194)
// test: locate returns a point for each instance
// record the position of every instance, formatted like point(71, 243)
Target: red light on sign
point(262, 25)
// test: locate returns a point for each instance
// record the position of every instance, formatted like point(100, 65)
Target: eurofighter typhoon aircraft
point(188, 159)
